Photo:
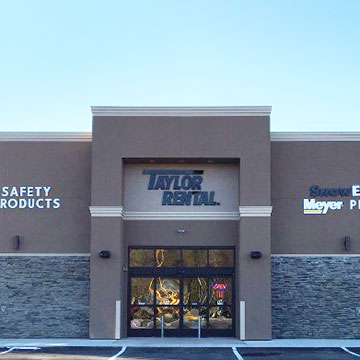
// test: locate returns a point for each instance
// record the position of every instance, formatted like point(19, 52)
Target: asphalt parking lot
point(179, 353)
point(296, 354)
point(58, 353)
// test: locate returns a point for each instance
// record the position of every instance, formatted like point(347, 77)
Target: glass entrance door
point(180, 296)
point(167, 304)
point(210, 298)
point(195, 296)
point(181, 301)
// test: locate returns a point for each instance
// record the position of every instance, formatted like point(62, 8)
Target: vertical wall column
point(108, 281)
point(254, 275)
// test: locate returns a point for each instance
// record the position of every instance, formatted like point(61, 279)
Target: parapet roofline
point(181, 111)
point(315, 136)
point(46, 136)
point(87, 137)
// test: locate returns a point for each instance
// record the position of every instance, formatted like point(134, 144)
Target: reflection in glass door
point(194, 302)
point(142, 300)
point(181, 301)
point(181, 295)
point(168, 302)
point(220, 303)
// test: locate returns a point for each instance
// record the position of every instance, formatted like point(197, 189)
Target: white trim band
point(315, 255)
point(106, 211)
point(43, 254)
point(134, 215)
point(46, 136)
point(315, 136)
point(118, 211)
point(255, 211)
point(87, 137)
point(181, 111)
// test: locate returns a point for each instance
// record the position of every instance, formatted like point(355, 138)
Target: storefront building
point(165, 216)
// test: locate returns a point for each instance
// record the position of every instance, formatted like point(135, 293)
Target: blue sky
point(57, 58)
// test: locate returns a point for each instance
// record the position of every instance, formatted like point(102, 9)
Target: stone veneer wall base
point(48, 297)
point(316, 297)
point(44, 296)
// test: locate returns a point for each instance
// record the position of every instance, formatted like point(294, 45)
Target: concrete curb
point(183, 342)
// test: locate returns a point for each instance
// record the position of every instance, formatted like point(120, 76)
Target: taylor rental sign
point(180, 187)
point(314, 206)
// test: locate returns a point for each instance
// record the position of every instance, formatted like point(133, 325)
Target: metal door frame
point(181, 273)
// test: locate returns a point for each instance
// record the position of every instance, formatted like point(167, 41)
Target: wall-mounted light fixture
point(347, 243)
point(181, 231)
point(256, 255)
point(104, 254)
point(16, 242)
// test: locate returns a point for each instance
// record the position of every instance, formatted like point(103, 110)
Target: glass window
point(171, 317)
point(191, 317)
point(195, 291)
point(142, 291)
point(221, 258)
point(167, 291)
point(142, 317)
point(220, 317)
point(195, 258)
point(167, 258)
point(141, 258)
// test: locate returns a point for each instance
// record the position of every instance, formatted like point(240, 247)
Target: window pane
point(167, 258)
point(195, 291)
point(167, 291)
point(220, 291)
point(221, 258)
point(191, 317)
point(195, 258)
point(142, 317)
point(142, 291)
point(171, 317)
point(141, 258)
point(220, 317)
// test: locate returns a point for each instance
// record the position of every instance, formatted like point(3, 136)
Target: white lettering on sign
point(311, 206)
point(28, 197)
point(314, 206)
point(355, 190)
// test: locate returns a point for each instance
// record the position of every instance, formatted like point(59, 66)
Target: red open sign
point(220, 288)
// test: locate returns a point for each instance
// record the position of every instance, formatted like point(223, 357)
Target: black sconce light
point(16, 242)
point(181, 231)
point(347, 243)
point(104, 254)
point(256, 255)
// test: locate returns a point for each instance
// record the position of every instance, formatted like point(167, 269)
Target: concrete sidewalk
point(183, 342)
